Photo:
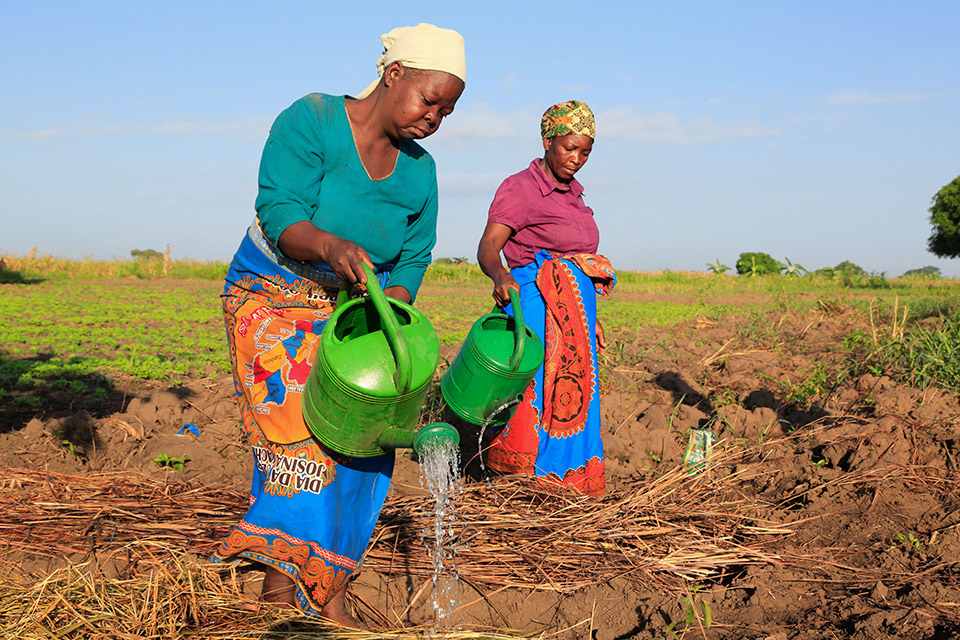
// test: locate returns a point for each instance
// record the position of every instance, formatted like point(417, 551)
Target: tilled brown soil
point(862, 472)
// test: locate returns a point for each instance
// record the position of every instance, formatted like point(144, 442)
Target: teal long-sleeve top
point(311, 170)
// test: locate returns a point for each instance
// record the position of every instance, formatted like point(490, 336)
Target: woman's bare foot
point(278, 588)
point(336, 610)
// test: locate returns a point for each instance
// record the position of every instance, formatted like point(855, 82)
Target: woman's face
point(565, 155)
point(420, 100)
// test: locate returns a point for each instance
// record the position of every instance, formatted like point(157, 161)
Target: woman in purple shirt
point(549, 239)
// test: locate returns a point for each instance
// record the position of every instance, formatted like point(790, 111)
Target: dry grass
point(162, 599)
point(130, 550)
point(178, 597)
point(521, 533)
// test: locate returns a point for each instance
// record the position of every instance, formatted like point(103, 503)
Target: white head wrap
point(424, 46)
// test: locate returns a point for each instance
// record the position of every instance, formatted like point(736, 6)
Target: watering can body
point(493, 368)
point(373, 367)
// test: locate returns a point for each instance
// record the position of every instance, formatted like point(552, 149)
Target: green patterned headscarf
point(568, 117)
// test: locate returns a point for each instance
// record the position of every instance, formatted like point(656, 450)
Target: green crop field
point(62, 320)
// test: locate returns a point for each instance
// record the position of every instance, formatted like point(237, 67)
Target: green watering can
point(374, 364)
point(493, 367)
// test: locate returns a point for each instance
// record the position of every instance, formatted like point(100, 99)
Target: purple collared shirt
point(543, 215)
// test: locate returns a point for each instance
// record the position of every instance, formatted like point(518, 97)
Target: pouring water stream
point(440, 475)
point(490, 419)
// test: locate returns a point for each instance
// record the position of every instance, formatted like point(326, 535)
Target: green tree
point(945, 217)
point(848, 268)
point(146, 254)
point(923, 272)
point(757, 264)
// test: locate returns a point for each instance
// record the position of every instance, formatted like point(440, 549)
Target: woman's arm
point(495, 235)
point(305, 241)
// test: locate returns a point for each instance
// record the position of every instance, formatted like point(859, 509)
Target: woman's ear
point(546, 144)
point(392, 73)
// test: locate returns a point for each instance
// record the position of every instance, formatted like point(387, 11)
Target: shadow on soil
point(45, 387)
point(790, 416)
point(11, 276)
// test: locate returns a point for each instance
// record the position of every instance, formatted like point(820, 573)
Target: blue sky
point(815, 131)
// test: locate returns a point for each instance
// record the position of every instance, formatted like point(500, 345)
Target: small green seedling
point(164, 460)
point(73, 450)
point(728, 397)
point(819, 463)
point(690, 614)
point(907, 538)
point(693, 616)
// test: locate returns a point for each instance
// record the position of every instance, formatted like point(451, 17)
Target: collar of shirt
point(547, 186)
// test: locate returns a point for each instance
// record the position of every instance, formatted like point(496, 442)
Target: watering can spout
point(426, 436)
point(435, 435)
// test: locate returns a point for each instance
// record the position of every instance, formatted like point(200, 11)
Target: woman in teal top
point(342, 184)
point(393, 217)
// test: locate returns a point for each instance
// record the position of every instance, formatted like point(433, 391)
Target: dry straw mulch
point(131, 549)
point(523, 533)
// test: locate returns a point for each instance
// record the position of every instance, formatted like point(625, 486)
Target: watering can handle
point(390, 326)
point(345, 290)
point(519, 330)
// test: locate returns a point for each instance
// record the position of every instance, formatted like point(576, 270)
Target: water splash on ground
point(440, 475)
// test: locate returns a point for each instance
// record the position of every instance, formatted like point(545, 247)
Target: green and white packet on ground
point(698, 450)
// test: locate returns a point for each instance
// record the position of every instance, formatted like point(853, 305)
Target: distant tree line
point(146, 254)
point(755, 263)
point(944, 242)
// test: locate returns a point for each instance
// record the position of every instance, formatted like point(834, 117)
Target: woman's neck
point(547, 172)
point(378, 151)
